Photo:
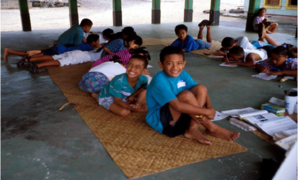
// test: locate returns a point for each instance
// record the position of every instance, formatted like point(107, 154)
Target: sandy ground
point(100, 12)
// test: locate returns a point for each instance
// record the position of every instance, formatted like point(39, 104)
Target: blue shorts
point(51, 51)
point(203, 44)
point(259, 44)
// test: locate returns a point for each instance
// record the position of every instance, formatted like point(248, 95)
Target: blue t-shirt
point(82, 47)
point(114, 46)
point(189, 44)
point(120, 88)
point(73, 35)
point(162, 90)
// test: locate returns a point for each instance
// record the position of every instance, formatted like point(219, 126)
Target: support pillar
point(253, 9)
point(25, 16)
point(73, 12)
point(214, 11)
point(155, 14)
point(117, 13)
point(188, 11)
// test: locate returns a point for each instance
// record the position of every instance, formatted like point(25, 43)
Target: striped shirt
point(124, 57)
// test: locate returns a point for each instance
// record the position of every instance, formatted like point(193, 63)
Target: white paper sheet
point(149, 66)
point(264, 76)
point(236, 112)
point(227, 65)
point(214, 56)
point(260, 118)
point(276, 101)
point(287, 142)
point(219, 116)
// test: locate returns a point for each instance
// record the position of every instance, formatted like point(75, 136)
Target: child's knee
point(185, 95)
point(125, 112)
point(202, 88)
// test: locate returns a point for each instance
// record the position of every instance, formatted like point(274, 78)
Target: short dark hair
point(180, 27)
point(129, 31)
point(116, 59)
point(92, 38)
point(142, 58)
point(236, 50)
point(108, 33)
point(227, 42)
point(262, 9)
point(282, 50)
point(86, 22)
point(170, 50)
point(138, 40)
point(140, 50)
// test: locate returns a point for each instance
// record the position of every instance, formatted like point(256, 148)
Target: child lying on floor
point(187, 43)
point(99, 76)
point(244, 57)
point(279, 63)
point(177, 104)
point(126, 92)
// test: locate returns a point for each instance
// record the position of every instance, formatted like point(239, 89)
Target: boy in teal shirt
point(177, 104)
point(126, 92)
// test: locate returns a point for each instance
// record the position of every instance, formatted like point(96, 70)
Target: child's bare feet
point(197, 135)
point(222, 133)
point(31, 53)
point(6, 53)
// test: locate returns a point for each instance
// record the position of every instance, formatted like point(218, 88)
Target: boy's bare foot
point(197, 135)
point(6, 54)
point(203, 23)
point(222, 133)
point(33, 52)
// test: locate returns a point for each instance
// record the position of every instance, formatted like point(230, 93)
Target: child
point(260, 19)
point(177, 104)
point(126, 92)
point(125, 33)
point(104, 36)
point(245, 57)
point(120, 44)
point(279, 63)
point(75, 35)
point(187, 43)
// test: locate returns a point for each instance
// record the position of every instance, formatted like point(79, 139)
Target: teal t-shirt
point(120, 88)
point(73, 35)
point(162, 90)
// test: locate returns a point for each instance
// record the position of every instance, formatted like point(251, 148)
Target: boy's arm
point(251, 58)
point(121, 103)
point(132, 97)
point(191, 109)
point(84, 40)
point(261, 68)
point(107, 50)
point(292, 72)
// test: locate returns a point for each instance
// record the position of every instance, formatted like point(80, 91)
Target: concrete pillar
point(188, 11)
point(253, 9)
point(155, 14)
point(117, 13)
point(25, 16)
point(73, 12)
point(214, 11)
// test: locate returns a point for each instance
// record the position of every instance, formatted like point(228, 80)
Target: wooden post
point(188, 11)
point(214, 11)
point(25, 16)
point(117, 13)
point(253, 9)
point(73, 12)
point(155, 14)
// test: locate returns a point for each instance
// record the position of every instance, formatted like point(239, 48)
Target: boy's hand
point(219, 53)
point(131, 99)
point(264, 70)
point(226, 59)
point(211, 113)
point(231, 63)
point(201, 119)
point(275, 73)
point(135, 106)
point(145, 72)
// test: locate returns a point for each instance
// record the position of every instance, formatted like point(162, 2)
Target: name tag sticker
point(181, 84)
point(126, 93)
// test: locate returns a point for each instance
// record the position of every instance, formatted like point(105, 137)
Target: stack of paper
point(227, 65)
point(264, 76)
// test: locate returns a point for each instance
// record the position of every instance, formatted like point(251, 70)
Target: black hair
point(92, 38)
point(86, 22)
point(236, 50)
point(116, 59)
point(227, 42)
point(170, 50)
point(262, 9)
point(140, 50)
point(138, 40)
point(180, 27)
point(108, 33)
point(129, 31)
point(282, 50)
point(142, 58)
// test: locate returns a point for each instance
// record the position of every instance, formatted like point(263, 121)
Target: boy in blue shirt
point(187, 43)
point(177, 104)
point(75, 35)
point(126, 92)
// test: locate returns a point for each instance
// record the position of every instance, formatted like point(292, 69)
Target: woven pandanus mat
point(135, 147)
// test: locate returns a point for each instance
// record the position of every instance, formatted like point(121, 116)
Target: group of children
point(175, 104)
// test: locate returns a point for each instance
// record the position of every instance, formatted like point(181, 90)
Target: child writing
point(126, 92)
point(177, 104)
point(261, 19)
point(187, 43)
point(279, 63)
point(75, 35)
point(125, 33)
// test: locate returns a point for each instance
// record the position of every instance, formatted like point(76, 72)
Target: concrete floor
point(39, 142)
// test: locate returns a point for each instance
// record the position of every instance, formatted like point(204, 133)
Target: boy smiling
point(177, 104)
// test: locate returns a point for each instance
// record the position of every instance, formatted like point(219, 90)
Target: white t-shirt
point(261, 52)
point(109, 69)
point(94, 56)
point(244, 43)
